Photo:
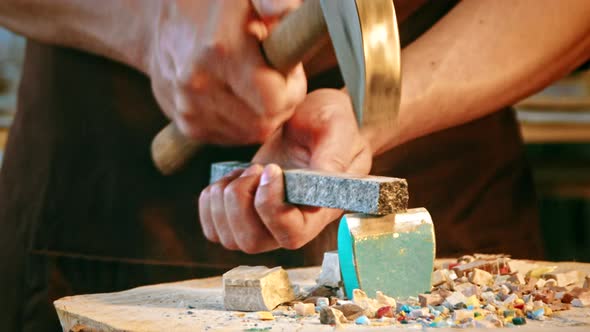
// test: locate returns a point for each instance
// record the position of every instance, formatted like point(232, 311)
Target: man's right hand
point(209, 76)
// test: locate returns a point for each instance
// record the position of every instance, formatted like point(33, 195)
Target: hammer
point(365, 39)
point(388, 245)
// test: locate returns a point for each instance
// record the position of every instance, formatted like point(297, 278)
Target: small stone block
point(256, 288)
point(439, 277)
point(462, 315)
point(430, 299)
point(481, 277)
point(304, 309)
point(376, 195)
point(331, 316)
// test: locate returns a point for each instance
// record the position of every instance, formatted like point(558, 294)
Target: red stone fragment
point(386, 311)
point(567, 298)
point(519, 306)
point(505, 270)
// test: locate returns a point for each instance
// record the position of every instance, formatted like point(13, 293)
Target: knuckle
point(291, 241)
point(215, 49)
point(204, 195)
point(187, 128)
point(263, 130)
point(229, 245)
point(217, 189)
point(247, 244)
point(211, 236)
point(263, 202)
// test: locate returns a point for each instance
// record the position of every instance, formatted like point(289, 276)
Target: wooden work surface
point(196, 305)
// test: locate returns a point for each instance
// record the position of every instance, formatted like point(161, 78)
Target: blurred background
point(555, 125)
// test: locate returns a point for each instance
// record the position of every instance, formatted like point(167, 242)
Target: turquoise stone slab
point(393, 254)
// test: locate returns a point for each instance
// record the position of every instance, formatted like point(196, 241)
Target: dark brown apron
point(84, 210)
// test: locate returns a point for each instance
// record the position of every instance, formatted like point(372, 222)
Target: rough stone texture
point(219, 170)
point(367, 194)
point(357, 193)
point(256, 288)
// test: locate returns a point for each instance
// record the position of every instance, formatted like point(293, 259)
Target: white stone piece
point(256, 288)
point(361, 299)
point(330, 272)
point(384, 300)
point(461, 315)
point(564, 279)
point(454, 299)
point(304, 309)
point(417, 313)
point(467, 289)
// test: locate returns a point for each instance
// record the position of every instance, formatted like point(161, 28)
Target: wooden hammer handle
point(286, 46)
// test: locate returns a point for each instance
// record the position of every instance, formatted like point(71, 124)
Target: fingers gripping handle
point(295, 36)
point(287, 45)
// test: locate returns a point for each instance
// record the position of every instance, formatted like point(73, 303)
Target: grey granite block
point(358, 193)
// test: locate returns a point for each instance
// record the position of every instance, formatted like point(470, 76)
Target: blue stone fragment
point(362, 320)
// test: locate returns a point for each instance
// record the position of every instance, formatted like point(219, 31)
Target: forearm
point(482, 56)
point(117, 29)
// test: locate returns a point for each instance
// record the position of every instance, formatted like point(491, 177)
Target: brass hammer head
point(365, 37)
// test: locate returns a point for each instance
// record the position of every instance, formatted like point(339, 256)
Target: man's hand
point(246, 210)
point(208, 73)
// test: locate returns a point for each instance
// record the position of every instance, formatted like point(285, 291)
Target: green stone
point(393, 254)
point(518, 321)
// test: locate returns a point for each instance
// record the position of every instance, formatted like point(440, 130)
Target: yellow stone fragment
point(265, 315)
point(472, 300)
point(518, 301)
point(538, 272)
point(548, 311)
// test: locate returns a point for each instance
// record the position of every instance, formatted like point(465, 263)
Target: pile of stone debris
point(475, 291)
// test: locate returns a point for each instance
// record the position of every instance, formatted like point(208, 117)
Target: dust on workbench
point(474, 291)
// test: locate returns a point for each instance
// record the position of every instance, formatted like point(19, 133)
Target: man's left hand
point(246, 211)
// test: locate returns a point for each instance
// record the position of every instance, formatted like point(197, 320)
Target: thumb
point(274, 8)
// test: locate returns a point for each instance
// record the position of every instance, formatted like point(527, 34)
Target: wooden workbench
point(196, 305)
